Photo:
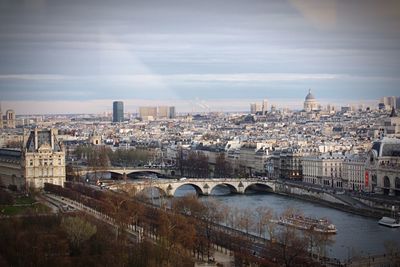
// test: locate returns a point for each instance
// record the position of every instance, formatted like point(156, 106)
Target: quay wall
point(308, 193)
point(379, 204)
point(324, 198)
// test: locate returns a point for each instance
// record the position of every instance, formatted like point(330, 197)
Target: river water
point(356, 236)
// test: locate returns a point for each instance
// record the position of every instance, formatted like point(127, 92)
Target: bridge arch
point(257, 186)
point(231, 187)
point(149, 173)
point(130, 172)
point(116, 175)
point(97, 174)
point(199, 190)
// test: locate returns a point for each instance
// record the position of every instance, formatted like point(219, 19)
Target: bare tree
point(246, 219)
point(223, 167)
point(292, 244)
point(265, 223)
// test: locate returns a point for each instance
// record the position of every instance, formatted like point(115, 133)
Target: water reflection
point(356, 236)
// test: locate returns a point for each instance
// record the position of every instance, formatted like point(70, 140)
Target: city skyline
point(100, 107)
point(196, 56)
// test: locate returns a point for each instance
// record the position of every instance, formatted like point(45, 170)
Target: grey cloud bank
point(104, 50)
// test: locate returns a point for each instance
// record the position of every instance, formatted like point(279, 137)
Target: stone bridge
point(168, 187)
point(126, 171)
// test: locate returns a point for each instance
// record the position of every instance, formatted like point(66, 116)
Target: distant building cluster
point(259, 108)
point(145, 112)
point(389, 102)
point(314, 109)
point(352, 148)
point(160, 112)
point(8, 120)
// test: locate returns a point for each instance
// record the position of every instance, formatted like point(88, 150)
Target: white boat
point(393, 221)
point(390, 222)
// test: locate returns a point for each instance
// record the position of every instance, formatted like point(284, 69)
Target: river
point(357, 235)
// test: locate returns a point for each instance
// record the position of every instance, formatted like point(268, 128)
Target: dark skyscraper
point(118, 111)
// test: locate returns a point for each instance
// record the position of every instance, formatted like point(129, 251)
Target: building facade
point(161, 112)
point(41, 160)
point(287, 162)
point(252, 160)
point(118, 111)
point(265, 106)
point(148, 113)
point(172, 113)
point(256, 108)
point(324, 170)
point(353, 171)
point(166, 112)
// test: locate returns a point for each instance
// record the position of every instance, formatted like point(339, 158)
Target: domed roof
point(310, 96)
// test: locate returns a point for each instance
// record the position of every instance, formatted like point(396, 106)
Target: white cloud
point(163, 79)
point(33, 77)
point(151, 78)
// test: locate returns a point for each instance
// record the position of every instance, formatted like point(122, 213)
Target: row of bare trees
point(100, 156)
point(196, 164)
point(176, 235)
point(191, 227)
point(76, 240)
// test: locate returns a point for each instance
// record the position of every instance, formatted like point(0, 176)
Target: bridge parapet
point(120, 170)
point(202, 186)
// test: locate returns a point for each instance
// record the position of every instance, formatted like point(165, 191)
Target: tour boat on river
point(393, 221)
point(307, 223)
point(390, 222)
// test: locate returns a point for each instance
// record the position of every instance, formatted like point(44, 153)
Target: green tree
point(78, 231)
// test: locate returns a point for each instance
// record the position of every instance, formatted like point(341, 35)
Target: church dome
point(310, 103)
point(310, 96)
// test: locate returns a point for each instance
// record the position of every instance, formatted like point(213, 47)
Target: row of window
point(45, 162)
point(45, 172)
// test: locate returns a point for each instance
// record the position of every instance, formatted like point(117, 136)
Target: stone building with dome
point(310, 103)
point(382, 172)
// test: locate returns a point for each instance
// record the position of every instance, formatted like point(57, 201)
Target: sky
point(78, 56)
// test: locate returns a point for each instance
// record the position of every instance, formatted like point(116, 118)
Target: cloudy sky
point(77, 56)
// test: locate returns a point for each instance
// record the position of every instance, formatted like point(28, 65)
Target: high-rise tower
point(118, 111)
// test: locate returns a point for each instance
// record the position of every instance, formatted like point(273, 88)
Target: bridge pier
point(241, 188)
point(206, 190)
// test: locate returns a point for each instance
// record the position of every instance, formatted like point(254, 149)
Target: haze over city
point(76, 57)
